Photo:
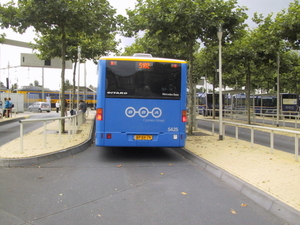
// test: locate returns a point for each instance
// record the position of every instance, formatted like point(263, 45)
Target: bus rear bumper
point(128, 140)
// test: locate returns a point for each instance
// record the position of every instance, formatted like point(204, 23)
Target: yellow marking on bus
point(146, 59)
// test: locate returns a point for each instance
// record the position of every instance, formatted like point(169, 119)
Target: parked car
point(39, 107)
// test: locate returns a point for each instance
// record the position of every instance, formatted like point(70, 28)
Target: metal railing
point(252, 128)
point(286, 116)
point(74, 123)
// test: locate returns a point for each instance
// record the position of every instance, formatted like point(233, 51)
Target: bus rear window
point(144, 80)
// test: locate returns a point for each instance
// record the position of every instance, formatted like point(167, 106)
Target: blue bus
point(289, 103)
point(141, 102)
point(263, 103)
point(205, 103)
point(267, 103)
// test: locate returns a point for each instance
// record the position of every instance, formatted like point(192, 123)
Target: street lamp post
point(278, 91)
point(78, 85)
point(220, 33)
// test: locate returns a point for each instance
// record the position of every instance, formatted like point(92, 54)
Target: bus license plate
point(143, 137)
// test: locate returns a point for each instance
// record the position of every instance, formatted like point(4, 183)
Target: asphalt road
point(126, 186)
point(11, 130)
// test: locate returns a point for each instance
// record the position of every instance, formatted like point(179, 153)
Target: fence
point(269, 114)
point(17, 99)
point(252, 128)
point(74, 122)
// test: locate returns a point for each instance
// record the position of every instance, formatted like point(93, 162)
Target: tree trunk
point(248, 88)
point(191, 89)
point(213, 111)
point(74, 85)
point(62, 93)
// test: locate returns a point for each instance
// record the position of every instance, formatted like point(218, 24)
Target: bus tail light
point(108, 136)
point(113, 63)
point(99, 114)
point(183, 116)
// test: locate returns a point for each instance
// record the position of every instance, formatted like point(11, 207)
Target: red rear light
point(99, 114)
point(183, 116)
point(108, 136)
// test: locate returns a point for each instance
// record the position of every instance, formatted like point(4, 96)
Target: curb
point(3, 122)
point(33, 161)
point(268, 202)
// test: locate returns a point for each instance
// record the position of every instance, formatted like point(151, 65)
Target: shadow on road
point(138, 154)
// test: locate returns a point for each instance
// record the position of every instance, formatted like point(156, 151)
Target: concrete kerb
point(37, 160)
point(3, 122)
point(268, 202)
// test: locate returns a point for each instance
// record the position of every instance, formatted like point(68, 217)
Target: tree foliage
point(96, 39)
point(63, 24)
point(183, 23)
point(264, 43)
point(171, 29)
point(289, 26)
point(253, 58)
point(151, 44)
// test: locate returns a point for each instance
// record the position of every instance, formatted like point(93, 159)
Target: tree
point(265, 42)
point(289, 26)
point(14, 87)
point(8, 14)
point(290, 72)
point(67, 83)
point(183, 23)
point(93, 44)
point(36, 83)
point(58, 20)
point(151, 44)
point(205, 66)
point(7, 17)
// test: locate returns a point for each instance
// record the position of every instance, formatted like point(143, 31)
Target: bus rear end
point(289, 104)
point(141, 102)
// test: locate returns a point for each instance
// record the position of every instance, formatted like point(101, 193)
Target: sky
point(23, 76)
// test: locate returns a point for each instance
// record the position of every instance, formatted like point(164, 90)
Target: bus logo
point(143, 112)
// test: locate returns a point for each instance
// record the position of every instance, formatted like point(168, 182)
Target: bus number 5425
point(172, 129)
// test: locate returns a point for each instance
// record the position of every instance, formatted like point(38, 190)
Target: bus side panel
point(99, 140)
point(183, 101)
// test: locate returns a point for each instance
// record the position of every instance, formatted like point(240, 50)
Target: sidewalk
point(33, 143)
point(271, 180)
point(14, 117)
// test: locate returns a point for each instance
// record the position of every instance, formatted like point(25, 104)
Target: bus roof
point(135, 58)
